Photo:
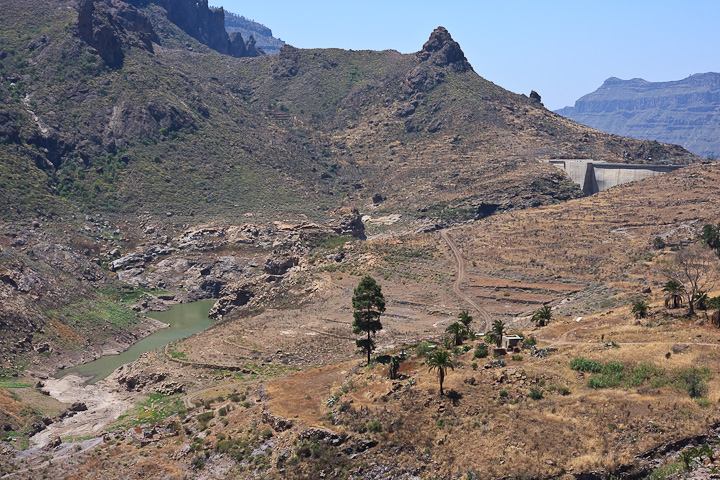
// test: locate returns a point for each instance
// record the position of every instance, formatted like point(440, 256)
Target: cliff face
point(685, 112)
point(203, 23)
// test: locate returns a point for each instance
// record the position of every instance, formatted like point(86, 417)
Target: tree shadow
point(454, 397)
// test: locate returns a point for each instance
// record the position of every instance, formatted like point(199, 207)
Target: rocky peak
point(252, 50)
point(443, 51)
point(237, 45)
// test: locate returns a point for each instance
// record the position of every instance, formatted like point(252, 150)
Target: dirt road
point(460, 278)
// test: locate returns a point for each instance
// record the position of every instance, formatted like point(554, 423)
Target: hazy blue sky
point(561, 49)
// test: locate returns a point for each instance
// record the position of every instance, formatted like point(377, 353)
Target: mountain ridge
point(684, 112)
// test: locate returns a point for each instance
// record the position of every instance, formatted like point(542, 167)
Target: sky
point(561, 49)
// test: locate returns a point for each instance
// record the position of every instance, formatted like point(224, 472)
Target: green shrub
point(198, 462)
point(584, 365)
point(613, 367)
point(692, 380)
point(696, 386)
point(517, 358)
point(563, 391)
point(423, 348)
point(529, 341)
point(481, 351)
point(536, 393)
point(643, 372)
point(375, 426)
point(205, 417)
point(503, 393)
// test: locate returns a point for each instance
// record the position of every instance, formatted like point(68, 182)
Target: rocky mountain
point(134, 106)
point(684, 112)
point(146, 160)
point(262, 35)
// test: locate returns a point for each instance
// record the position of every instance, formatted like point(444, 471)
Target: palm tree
point(674, 290)
point(465, 318)
point(440, 360)
point(542, 317)
point(640, 309)
point(458, 331)
point(394, 367)
point(497, 331)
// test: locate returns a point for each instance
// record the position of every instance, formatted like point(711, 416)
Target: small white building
point(510, 341)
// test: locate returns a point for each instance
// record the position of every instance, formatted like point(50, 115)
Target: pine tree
point(368, 304)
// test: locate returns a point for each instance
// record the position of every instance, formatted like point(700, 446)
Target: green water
point(184, 320)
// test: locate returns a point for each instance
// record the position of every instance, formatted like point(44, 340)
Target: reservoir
point(184, 320)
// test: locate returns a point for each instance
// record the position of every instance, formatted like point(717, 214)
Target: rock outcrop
point(108, 26)
point(443, 51)
point(684, 112)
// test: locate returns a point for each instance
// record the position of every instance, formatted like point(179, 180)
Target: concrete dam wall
point(594, 176)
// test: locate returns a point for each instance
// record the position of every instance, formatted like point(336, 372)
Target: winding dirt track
point(460, 261)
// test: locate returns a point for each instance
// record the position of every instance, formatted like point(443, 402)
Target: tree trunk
point(691, 303)
point(368, 347)
point(441, 374)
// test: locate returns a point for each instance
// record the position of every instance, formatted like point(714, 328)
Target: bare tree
point(695, 268)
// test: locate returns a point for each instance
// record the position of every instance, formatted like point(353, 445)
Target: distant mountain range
point(263, 36)
point(684, 112)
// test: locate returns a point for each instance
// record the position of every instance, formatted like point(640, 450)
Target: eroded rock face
point(232, 296)
point(280, 265)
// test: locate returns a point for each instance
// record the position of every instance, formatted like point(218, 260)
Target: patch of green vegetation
point(177, 354)
point(6, 382)
point(334, 242)
point(76, 439)
point(153, 411)
point(692, 380)
point(644, 372)
point(584, 365)
point(125, 293)
point(90, 314)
